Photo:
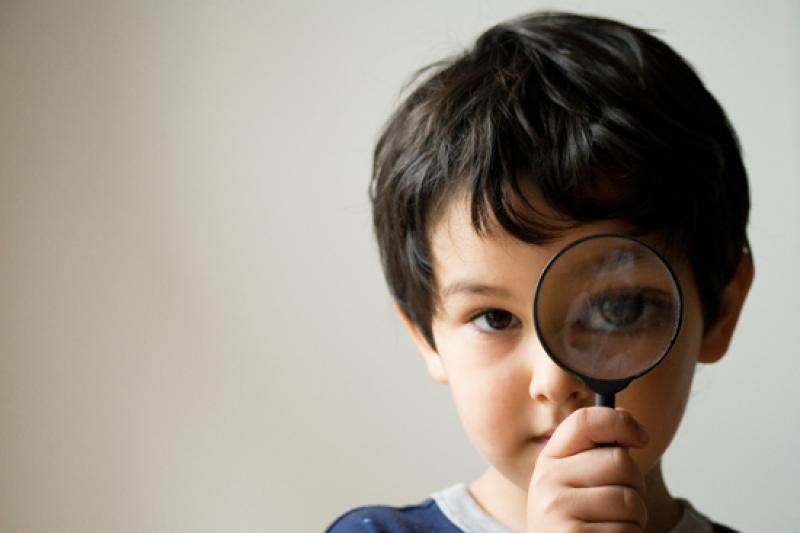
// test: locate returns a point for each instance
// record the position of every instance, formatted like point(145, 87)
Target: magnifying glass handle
point(605, 400)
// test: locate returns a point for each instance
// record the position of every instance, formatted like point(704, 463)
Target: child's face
point(507, 390)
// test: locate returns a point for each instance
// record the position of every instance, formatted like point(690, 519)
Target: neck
point(501, 499)
point(507, 503)
point(663, 510)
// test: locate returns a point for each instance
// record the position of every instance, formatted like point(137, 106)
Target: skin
point(534, 423)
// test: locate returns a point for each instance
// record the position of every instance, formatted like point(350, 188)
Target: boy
point(553, 127)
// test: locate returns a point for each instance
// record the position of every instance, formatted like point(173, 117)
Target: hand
point(580, 485)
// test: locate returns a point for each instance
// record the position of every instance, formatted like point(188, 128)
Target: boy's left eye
point(495, 320)
point(625, 312)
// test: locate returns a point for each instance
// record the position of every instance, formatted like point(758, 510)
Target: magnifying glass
point(607, 309)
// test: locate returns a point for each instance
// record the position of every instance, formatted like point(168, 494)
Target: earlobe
point(717, 337)
point(432, 360)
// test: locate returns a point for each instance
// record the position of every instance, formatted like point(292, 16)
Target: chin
point(519, 469)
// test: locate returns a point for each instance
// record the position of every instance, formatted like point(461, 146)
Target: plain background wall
point(195, 334)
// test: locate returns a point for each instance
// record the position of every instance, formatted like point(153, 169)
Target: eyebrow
point(611, 261)
point(472, 287)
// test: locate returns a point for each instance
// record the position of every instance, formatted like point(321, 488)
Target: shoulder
point(424, 516)
point(694, 520)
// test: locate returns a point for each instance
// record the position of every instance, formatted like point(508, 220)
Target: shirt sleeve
point(425, 516)
point(355, 521)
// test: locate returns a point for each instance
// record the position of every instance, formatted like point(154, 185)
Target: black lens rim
point(605, 386)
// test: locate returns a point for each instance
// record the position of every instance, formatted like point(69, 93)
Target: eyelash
point(515, 322)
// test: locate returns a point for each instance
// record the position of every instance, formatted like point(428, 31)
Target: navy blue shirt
point(424, 517)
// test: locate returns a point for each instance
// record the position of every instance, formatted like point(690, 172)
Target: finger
point(611, 465)
point(589, 427)
point(611, 503)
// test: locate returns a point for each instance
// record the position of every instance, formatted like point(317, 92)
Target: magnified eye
point(621, 311)
point(624, 311)
point(495, 320)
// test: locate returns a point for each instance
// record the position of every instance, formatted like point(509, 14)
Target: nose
point(551, 384)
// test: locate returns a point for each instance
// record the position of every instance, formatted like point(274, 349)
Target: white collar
point(458, 506)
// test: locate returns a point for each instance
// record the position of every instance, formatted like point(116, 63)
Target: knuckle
point(545, 472)
point(625, 418)
point(546, 477)
point(582, 420)
point(558, 502)
point(627, 498)
point(633, 505)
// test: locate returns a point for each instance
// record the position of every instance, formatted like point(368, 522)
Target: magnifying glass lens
point(607, 308)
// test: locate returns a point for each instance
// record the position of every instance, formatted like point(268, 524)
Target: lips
point(549, 423)
point(542, 438)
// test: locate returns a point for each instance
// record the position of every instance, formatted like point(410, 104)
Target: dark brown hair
point(603, 119)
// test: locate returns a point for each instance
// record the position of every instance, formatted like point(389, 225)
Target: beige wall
point(195, 335)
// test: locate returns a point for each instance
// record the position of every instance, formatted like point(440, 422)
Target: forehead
point(461, 255)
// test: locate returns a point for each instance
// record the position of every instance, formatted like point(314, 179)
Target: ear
point(717, 337)
point(432, 360)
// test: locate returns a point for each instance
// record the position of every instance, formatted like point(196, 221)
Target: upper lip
point(553, 420)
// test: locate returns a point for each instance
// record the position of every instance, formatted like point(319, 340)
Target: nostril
point(549, 383)
point(564, 391)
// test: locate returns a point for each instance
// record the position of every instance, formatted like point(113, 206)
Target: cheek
point(491, 404)
point(658, 399)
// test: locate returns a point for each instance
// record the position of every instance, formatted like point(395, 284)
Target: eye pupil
point(498, 319)
point(622, 310)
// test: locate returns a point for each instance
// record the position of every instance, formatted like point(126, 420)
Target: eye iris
point(498, 319)
point(624, 310)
